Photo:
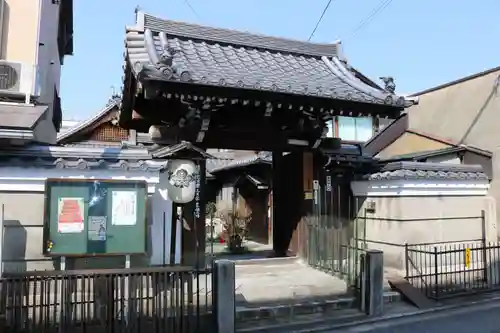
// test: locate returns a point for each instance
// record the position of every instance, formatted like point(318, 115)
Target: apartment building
point(35, 36)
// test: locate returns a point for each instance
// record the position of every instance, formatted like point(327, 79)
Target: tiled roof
point(168, 151)
point(175, 51)
point(81, 158)
point(262, 157)
point(428, 171)
point(112, 103)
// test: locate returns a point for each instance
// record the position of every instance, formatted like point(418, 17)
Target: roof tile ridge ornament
point(353, 83)
point(165, 62)
point(139, 20)
point(387, 96)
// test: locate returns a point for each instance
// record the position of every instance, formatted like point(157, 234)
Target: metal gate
point(335, 234)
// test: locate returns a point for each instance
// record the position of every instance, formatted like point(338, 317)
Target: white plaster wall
point(18, 179)
point(161, 226)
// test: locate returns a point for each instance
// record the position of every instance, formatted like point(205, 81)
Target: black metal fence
point(448, 270)
point(326, 250)
point(153, 299)
point(333, 236)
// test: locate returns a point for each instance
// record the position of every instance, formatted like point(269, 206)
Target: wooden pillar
point(308, 198)
point(307, 180)
point(278, 215)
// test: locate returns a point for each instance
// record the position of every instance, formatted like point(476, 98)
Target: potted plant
point(235, 228)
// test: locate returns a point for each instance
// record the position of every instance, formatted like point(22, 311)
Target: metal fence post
point(436, 286)
point(374, 282)
point(484, 251)
point(224, 295)
point(407, 266)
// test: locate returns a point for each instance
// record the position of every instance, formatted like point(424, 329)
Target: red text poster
point(70, 215)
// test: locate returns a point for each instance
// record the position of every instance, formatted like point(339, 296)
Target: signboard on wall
point(95, 217)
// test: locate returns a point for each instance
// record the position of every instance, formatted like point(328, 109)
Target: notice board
point(95, 217)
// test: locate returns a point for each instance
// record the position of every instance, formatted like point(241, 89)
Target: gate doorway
point(222, 89)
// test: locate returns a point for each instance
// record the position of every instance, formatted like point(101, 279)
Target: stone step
point(242, 263)
point(267, 318)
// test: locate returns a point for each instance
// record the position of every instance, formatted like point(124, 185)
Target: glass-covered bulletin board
point(95, 217)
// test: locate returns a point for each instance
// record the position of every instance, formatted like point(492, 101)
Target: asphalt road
point(474, 319)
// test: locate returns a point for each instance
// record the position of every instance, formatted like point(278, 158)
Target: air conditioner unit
point(18, 79)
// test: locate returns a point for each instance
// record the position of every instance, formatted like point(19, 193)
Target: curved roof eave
point(340, 70)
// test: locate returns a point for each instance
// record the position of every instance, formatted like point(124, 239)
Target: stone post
point(374, 282)
point(224, 295)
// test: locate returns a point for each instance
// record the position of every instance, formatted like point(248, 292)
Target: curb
point(284, 314)
point(400, 315)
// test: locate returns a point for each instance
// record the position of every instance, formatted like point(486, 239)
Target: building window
point(351, 128)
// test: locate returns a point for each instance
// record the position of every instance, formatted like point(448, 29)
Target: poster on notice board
point(70, 213)
point(124, 208)
point(97, 228)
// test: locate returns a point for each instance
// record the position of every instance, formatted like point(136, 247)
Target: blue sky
point(420, 43)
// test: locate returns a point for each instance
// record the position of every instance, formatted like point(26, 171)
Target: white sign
point(124, 208)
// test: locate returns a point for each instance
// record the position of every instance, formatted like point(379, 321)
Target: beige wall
point(410, 143)
point(467, 112)
point(20, 33)
point(495, 182)
point(382, 227)
point(29, 36)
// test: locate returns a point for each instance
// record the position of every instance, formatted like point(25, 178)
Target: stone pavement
point(283, 280)
point(278, 280)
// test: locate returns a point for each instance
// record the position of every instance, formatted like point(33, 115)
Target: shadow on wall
point(14, 246)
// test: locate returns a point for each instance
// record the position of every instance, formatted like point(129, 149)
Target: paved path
point(472, 319)
point(284, 282)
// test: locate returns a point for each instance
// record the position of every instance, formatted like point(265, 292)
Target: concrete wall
point(23, 232)
point(30, 33)
point(400, 220)
point(422, 213)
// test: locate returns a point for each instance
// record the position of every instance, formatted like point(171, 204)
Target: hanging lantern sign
point(182, 175)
